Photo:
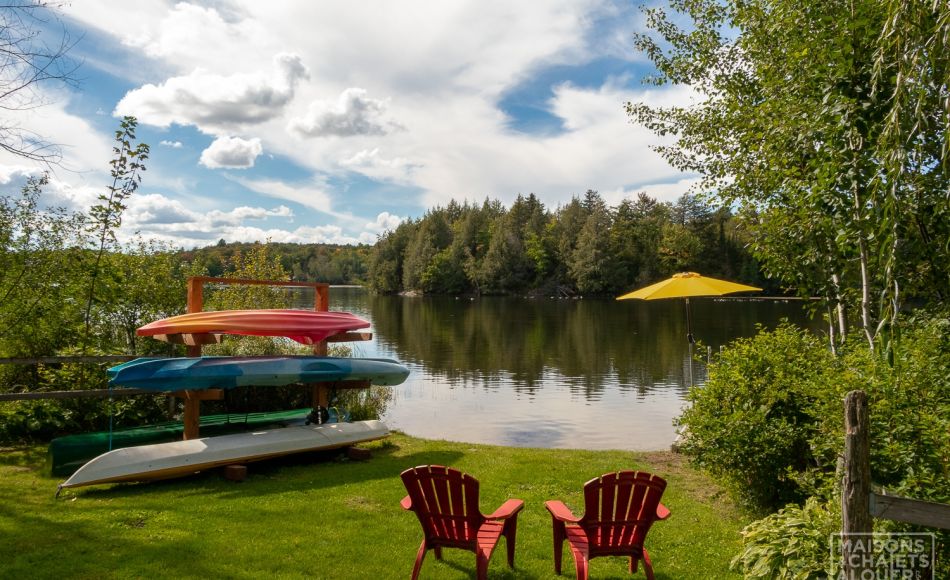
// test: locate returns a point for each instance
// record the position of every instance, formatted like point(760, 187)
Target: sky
point(332, 122)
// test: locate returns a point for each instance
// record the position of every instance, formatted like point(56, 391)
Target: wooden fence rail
point(910, 511)
point(50, 360)
point(77, 394)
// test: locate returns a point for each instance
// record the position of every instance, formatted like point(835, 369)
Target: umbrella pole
point(689, 337)
point(691, 364)
point(689, 325)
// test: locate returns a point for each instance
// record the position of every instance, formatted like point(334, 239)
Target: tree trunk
point(840, 310)
point(831, 331)
point(865, 276)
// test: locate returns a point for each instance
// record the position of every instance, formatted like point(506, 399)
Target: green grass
point(323, 517)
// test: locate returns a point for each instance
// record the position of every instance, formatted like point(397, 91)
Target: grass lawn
point(323, 517)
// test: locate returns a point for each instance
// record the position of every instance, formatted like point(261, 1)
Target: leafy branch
point(106, 216)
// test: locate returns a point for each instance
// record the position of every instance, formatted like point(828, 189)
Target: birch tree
point(824, 121)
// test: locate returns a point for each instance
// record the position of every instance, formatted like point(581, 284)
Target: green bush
point(769, 422)
point(752, 422)
point(363, 404)
point(40, 420)
point(791, 544)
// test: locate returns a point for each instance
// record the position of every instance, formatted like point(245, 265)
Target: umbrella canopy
point(686, 285)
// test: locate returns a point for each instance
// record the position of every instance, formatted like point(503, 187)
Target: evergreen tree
point(386, 261)
point(568, 223)
point(593, 265)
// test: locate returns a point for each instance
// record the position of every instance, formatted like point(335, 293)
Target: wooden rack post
point(321, 303)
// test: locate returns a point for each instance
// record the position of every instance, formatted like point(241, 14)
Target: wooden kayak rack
point(194, 342)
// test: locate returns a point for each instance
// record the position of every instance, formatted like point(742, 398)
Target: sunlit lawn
point(322, 517)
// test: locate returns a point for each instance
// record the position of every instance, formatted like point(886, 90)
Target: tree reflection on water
point(531, 364)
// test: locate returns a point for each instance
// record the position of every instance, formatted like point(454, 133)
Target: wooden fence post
point(856, 524)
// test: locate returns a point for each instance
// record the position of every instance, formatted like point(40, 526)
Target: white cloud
point(231, 153)
point(17, 174)
point(371, 163)
point(172, 144)
point(157, 210)
point(666, 191)
point(352, 114)
point(241, 214)
point(371, 158)
point(71, 197)
point(384, 222)
point(439, 69)
point(156, 216)
point(216, 103)
point(314, 196)
point(187, 28)
point(83, 147)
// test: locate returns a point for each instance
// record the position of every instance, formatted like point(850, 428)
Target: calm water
point(594, 374)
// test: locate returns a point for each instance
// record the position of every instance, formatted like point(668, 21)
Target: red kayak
point(304, 326)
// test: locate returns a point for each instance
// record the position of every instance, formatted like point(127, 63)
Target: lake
point(584, 373)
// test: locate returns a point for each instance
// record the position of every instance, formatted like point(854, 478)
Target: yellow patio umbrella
point(687, 285)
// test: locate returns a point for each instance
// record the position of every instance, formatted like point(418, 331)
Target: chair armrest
point(406, 503)
point(662, 512)
point(507, 509)
point(561, 512)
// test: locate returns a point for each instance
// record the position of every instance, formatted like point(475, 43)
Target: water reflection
point(548, 373)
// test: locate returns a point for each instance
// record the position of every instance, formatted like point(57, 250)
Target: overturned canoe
point(195, 373)
point(303, 326)
point(167, 460)
point(68, 453)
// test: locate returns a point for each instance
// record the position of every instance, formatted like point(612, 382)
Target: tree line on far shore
point(330, 263)
point(585, 247)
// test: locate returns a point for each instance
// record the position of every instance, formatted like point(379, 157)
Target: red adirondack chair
point(619, 509)
point(446, 503)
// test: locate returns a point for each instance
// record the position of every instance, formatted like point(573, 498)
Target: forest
point(330, 263)
point(582, 248)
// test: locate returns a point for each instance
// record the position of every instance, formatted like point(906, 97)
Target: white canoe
point(166, 460)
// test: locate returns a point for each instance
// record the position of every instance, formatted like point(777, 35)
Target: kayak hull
point(180, 458)
point(196, 373)
point(68, 453)
point(303, 326)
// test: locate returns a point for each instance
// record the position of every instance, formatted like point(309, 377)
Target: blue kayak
point(228, 372)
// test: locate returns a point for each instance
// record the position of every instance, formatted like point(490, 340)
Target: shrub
point(364, 404)
point(770, 423)
point(790, 544)
point(46, 419)
point(752, 422)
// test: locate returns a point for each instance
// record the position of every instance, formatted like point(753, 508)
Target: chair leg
point(420, 556)
point(647, 565)
point(581, 566)
point(481, 566)
point(633, 564)
point(511, 530)
point(559, 536)
point(438, 552)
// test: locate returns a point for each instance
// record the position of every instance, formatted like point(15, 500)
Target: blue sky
point(331, 122)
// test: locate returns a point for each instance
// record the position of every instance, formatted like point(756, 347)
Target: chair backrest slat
point(619, 509)
point(445, 500)
point(621, 512)
point(440, 486)
point(459, 509)
point(607, 508)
